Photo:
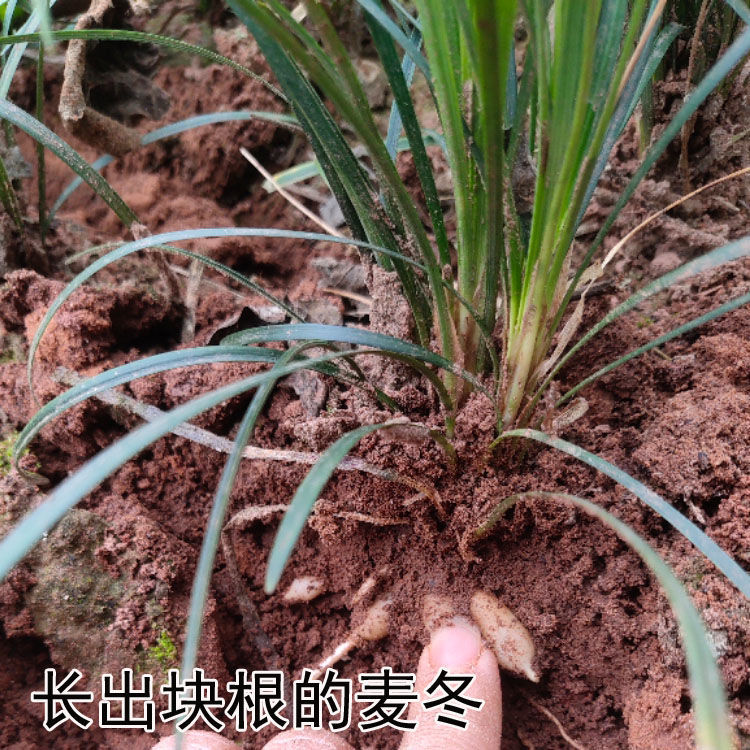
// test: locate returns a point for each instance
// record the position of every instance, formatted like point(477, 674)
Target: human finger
point(307, 739)
point(197, 739)
point(458, 649)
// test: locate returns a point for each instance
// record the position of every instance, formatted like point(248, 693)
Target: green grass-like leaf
point(42, 8)
point(307, 169)
point(141, 368)
point(27, 533)
point(713, 259)
point(41, 170)
point(585, 67)
point(658, 341)
point(48, 139)
point(173, 129)
point(15, 52)
point(686, 527)
point(304, 498)
point(343, 334)
point(712, 725)
point(20, 39)
point(722, 68)
point(164, 239)
point(204, 571)
point(8, 13)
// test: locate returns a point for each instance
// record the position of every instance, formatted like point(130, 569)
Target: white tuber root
point(374, 627)
point(340, 652)
point(369, 584)
point(304, 589)
point(376, 624)
point(506, 636)
point(508, 639)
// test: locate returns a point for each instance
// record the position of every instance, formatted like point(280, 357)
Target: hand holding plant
point(457, 649)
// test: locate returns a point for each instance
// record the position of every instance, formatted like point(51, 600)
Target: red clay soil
point(109, 587)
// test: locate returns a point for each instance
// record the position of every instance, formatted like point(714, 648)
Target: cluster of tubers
point(508, 639)
point(501, 630)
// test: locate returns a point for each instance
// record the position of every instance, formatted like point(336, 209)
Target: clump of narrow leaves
point(526, 130)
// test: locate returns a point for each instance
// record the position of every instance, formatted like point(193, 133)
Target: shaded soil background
point(109, 588)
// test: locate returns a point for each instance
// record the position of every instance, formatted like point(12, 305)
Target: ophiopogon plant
point(502, 294)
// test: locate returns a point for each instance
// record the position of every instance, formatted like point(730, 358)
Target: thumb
point(458, 650)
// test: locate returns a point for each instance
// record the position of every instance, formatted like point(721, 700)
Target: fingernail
point(455, 646)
